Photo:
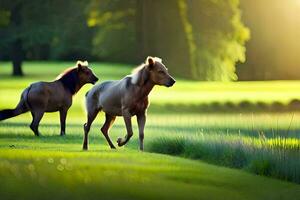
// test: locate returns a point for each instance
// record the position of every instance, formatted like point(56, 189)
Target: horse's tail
point(22, 107)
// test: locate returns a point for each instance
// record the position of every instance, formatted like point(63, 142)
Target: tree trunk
point(17, 57)
point(160, 33)
point(17, 50)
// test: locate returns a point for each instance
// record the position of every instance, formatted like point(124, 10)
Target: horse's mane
point(137, 69)
point(69, 79)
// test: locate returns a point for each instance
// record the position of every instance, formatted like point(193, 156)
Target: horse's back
point(107, 96)
point(48, 95)
point(45, 88)
point(107, 88)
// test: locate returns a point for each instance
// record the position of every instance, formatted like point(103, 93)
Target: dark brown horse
point(41, 97)
point(126, 97)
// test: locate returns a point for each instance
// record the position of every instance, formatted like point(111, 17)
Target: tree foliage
point(114, 24)
point(200, 39)
point(220, 38)
point(42, 30)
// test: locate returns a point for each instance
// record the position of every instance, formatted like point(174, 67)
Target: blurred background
point(213, 40)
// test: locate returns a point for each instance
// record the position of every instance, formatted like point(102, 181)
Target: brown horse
point(126, 97)
point(41, 97)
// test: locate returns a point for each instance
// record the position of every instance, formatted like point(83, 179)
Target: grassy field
point(33, 167)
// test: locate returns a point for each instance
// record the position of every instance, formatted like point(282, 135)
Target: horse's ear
point(150, 62)
point(79, 65)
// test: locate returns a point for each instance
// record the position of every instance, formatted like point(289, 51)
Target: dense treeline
point(199, 39)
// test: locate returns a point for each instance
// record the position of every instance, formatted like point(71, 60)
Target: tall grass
point(275, 157)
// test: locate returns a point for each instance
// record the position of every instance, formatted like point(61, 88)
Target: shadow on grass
point(74, 133)
point(21, 124)
point(28, 135)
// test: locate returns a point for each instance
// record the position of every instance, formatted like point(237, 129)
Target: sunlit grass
point(189, 92)
point(183, 92)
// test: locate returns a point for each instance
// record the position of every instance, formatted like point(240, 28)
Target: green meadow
point(241, 152)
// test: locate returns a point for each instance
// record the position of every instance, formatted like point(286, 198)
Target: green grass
point(54, 167)
point(127, 175)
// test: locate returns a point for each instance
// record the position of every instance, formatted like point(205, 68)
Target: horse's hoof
point(119, 142)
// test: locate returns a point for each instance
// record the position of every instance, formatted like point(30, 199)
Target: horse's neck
point(78, 87)
point(145, 90)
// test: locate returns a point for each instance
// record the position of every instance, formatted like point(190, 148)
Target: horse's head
point(158, 73)
point(85, 74)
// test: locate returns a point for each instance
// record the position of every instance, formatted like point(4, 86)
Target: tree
point(161, 33)
point(199, 39)
point(14, 19)
point(41, 30)
point(114, 36)
point(220, 38)
point(22, 30)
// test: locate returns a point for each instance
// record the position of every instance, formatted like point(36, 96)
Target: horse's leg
point(63, 115)
point(90, 118)
point(127, 119)
point(36, 118)
point(109, 120)
point(141, 120)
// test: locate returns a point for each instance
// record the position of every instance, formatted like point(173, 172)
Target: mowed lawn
point(54, 167)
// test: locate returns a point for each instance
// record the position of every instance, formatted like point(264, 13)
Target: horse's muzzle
point(95, 79)
point(171, 82)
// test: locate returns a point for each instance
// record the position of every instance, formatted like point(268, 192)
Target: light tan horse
point(126, 97)
point(41, 97)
